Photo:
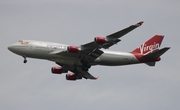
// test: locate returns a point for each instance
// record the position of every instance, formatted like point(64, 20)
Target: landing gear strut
point(25, 61)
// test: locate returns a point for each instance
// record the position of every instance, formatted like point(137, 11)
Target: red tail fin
point(152, 44)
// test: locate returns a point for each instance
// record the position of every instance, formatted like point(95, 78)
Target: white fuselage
point(43, 50)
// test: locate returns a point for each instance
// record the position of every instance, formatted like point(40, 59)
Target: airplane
point(79, 59)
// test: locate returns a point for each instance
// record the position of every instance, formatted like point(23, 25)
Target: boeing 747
point(79, 59)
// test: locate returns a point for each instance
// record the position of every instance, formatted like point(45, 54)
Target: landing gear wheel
point(25, 61)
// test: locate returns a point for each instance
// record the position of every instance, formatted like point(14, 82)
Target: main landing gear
point(25, 61)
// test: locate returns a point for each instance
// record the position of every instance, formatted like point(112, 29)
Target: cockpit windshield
point(23, 42)
point(20, 41)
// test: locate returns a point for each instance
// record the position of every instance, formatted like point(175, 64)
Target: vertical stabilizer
point(149, 46)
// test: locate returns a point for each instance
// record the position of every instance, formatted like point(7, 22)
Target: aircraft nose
point(12, 47)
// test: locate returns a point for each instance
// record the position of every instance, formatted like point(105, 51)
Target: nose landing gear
point(25, 61)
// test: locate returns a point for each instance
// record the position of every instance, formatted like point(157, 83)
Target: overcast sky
point(31, 86)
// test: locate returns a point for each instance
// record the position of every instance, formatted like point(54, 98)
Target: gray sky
point(135, 87)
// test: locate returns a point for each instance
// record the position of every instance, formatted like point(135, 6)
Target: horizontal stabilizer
point(156, 53)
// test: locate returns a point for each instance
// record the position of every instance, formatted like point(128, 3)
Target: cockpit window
point(23, 42)
point(20, 41)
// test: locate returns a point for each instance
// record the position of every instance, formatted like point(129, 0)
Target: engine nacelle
point(100, 40)
point(72, 77)
point(73, 49)
point(57, 70)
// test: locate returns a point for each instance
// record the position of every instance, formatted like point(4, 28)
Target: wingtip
point(139, 23)
point(167, 48)
point(96, 78)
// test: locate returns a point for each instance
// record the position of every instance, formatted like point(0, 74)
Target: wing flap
point(93, 55)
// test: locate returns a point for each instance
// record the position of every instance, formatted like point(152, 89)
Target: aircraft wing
point(124, 31)
point(77, 70)
point(112, 39)
point(80, 73)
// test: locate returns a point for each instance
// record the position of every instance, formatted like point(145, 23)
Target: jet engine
point(73, 49)
point(57, 70)
point(100, 40)
point(72, 77)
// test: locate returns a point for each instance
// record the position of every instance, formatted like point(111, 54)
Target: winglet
point(139, 24)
